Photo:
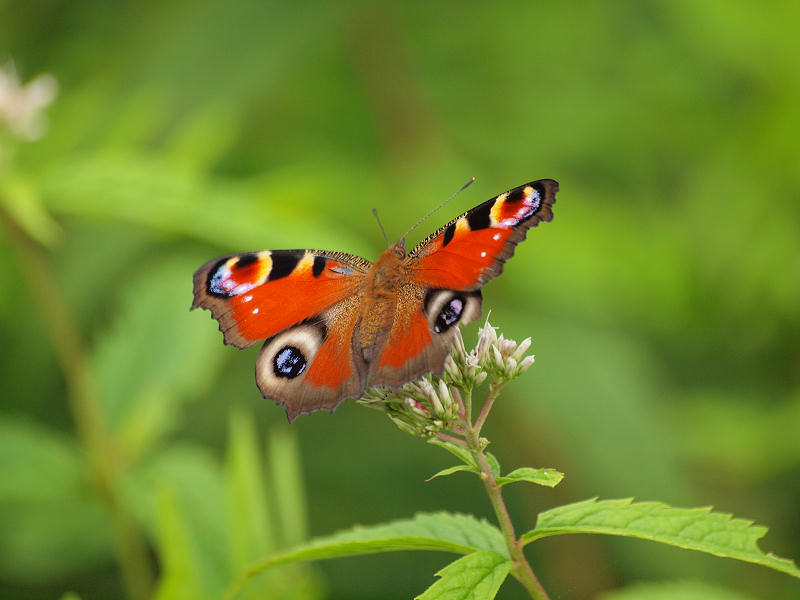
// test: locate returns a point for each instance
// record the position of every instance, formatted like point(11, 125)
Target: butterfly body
point(334, 321)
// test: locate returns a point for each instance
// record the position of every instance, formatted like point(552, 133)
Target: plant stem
point(521, 570)
point(494, 392)
point(85, 408)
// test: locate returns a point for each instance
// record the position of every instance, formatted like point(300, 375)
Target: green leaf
point(494, 464)
point(51, 524)
point(476, 576)
point(546, 477)
point(21, 200)
point(456, 450)
point(46, 541)
point(39, 463)
point(672, 590)
point(179, 492)
point(462, 534)
point(451, 470)
point(155, 355)
point(249, 527)
point(181, 568)
point(690, 528)
point(286, 478)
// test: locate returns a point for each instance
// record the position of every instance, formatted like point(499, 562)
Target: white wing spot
point(483, 254)
point(255, 311)
point(496, 237)
point(248, 298)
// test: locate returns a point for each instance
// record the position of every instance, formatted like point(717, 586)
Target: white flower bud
point(522, 348)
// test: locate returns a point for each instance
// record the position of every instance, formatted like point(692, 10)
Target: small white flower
point(22, 106)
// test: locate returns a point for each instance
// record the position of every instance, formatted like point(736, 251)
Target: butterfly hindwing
point(314, 364)
point(258, 294)
point(424, 326)
point(471, 249)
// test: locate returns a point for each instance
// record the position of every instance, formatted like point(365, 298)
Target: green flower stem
point(521, 570)
point(130, 547)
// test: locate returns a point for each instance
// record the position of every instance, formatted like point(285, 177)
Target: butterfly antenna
point(417, 224)
point(383, 231)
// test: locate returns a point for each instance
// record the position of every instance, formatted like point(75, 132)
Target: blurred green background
point(138, 458)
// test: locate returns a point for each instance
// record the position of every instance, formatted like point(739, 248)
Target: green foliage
point(476, 576)
point(672, 590)
point(662, 299)
point(446, 532)
point(692, 528)
point(546, 477)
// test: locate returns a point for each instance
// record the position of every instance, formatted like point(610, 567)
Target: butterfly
point(333, 321)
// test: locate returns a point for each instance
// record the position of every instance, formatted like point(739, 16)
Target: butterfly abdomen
point(380, 300)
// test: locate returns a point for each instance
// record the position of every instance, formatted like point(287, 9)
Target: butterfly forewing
point(470, 250)
point(258, 294)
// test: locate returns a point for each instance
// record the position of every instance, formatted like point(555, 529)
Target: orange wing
point(471, 249)
point(444, 274)
point(305, 304)
point(258, 294)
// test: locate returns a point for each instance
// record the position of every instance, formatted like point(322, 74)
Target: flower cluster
point(22, 106)
point(432, 404)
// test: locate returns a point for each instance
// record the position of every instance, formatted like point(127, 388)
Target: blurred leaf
point(20, 198)
point(476, 576)
point(442, 531)
point(155, 355)
point(182, 576)
point(690, 528)
point(46, 540)
point(70, 596)
point(181, 488)
point(546, 477)
point(174, 199)
point(39, 464)
point(451, 470)
point(286, 478)
point(249, 529)
point(675, 590)
point(201, 138)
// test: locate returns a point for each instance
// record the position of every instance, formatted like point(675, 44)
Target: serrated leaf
point(451, 470)
point(546, 477)
point(494, 464)
point(476, 576)
point(455, 450)
point(691, 528)
point(462, 534)
point(672, 590)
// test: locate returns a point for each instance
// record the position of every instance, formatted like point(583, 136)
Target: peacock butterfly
point(333, 320)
